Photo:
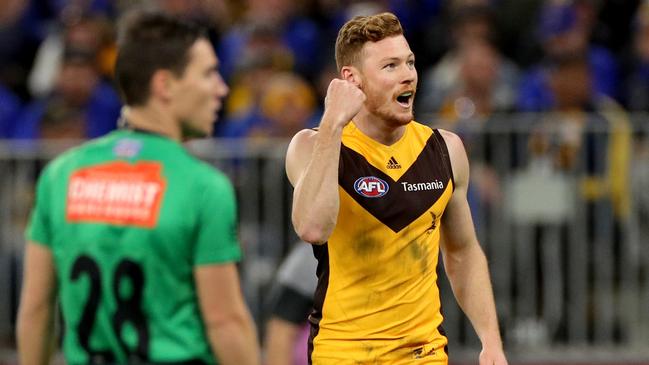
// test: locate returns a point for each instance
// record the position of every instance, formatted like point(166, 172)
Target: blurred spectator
point(77, 8)
point(565, 28)
point(213, 13)
point(295, 32)
point(637, 83)
point(581, 150)
point(80, 106)
point(286, 105)
point(91, 34)
point(264, 56)
point(215, 16)
point(614, 24)
point(413, 15)
point(9, 108)
point(484, 90)
point(21, 30)
point(586, 135)
point(639, 183)
point(516, 21)
point(474, 102)
point(417, 19)
point(485, 84)
point(472, 33)
point(322, 81)
point(637, 99)
point(290, 303)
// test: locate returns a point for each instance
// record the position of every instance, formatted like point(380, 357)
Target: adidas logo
point(393, 164)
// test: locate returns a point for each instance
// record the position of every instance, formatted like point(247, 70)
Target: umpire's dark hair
point(149, 41)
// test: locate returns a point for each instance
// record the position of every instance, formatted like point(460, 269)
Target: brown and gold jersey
point(377, 299)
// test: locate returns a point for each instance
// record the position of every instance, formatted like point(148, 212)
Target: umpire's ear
point(161, 84)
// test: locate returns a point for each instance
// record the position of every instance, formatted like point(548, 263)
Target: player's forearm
point(280, 341)
point(315, 200)
point(469, 276)
point(35, 336)
point(235, 341)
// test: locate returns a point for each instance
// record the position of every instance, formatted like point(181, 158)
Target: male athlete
point(136, 237)
point(379, 195)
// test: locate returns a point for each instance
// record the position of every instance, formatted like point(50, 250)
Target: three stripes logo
point(393, 164)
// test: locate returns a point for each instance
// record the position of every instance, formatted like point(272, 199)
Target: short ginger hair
point(360, 30)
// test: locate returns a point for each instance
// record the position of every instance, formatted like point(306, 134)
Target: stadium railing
point(561, 208)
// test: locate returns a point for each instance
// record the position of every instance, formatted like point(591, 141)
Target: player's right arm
point(35, 327)
point(312, 164)
point(228, 323)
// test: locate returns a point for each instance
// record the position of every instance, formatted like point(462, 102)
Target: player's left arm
point(35, 327)
point(465, 262)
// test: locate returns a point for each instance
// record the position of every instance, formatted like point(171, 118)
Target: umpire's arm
point(35, 327)
point(228, 323)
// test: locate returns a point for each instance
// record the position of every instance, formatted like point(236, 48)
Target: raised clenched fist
point(344, 100)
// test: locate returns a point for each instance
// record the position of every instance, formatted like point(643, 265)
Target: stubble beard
point(391, 117)
point(384, 110)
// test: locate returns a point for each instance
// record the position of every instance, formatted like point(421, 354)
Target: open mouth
point(405, 99)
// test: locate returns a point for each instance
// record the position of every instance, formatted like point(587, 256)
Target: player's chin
point(207, 124)
point(404, 117)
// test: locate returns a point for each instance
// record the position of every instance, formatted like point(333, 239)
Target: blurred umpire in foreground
point(135, 237)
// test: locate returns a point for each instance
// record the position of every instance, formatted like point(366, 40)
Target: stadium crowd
point(584, 63)
point(474, 57)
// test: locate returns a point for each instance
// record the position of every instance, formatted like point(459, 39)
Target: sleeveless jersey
point(377, 299)
point(127, 218)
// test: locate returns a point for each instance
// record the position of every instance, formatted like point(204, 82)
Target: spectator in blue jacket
point(80, 106)
point(9, 108)
point(564, 29)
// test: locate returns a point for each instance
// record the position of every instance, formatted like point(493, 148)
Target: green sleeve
point(217, 225)
point(39, 227)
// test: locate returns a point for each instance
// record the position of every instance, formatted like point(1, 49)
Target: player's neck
point(379, 129)
point(152, 119)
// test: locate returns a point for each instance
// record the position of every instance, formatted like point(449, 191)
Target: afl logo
point(371, 187)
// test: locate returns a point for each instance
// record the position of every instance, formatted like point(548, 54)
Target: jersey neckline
point(354, 130)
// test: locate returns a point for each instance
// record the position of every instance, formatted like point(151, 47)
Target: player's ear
point(351, 74)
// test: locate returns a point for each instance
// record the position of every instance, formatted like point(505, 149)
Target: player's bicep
point(457, 224)
point(299, 154)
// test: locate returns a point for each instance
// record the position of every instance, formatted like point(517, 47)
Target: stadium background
point(549, 96)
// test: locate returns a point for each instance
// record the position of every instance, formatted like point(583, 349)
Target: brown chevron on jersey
point(398, 207)
point(321, 252)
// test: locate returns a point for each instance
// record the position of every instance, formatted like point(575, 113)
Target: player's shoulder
point(453, 141)
point(457, 155)
point(419, 126)
point(305, 136)
point(302, 142)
